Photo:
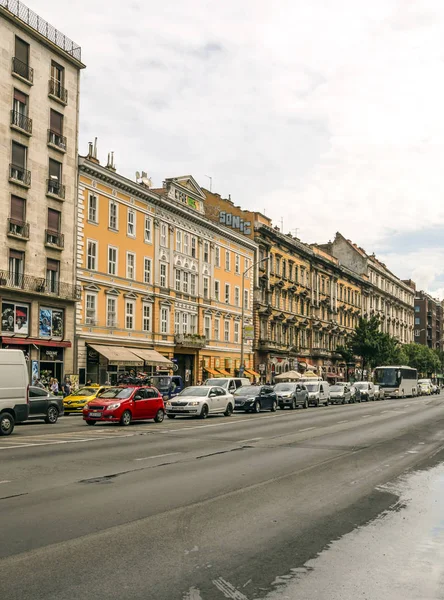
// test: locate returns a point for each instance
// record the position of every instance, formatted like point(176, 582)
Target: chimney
point(110, 164)
point(92, 152)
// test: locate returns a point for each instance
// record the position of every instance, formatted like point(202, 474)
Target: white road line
point(306, 429)
point(251, 440)
point(5, 481)
point(158, 456)
point(365, 416)
point(345, 421)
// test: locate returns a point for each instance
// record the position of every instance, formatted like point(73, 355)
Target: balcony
point(271, 345)
point(57, 92)
point(21, 122)
point(190, 340)
point(19, 175)
point(56, 141)
point(55, 189)
point(54, 239)
point(22, 70)
point(321, 352)
point(39, 285)
point(18, 229)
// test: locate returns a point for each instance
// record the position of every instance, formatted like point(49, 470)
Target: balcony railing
point(57, 140)
point(21, 121)
point(19, 174)
point(18, 229)
point(55, 188)
point(190, 340)
point(22, 69)
point(265, 345)
point(58, 91)
point(26, 15)
point(54, 238)
point(39, 285)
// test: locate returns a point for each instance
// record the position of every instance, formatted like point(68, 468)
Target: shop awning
point(252, 373)
point(224, 373)
point(211, 371)
point(36, 342)
point(335, 376)
point(118, 355)
point(152, 358)
point(309, 374)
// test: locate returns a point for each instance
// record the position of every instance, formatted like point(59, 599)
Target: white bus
point(397, 382)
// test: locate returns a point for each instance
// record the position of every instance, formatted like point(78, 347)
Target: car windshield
point(284, 387)
point(161, 382)
point(312, 387)
point(361, 386)
point(336, 388)
point(117, 392)
point(219, 381)
point(197, 390)
point(86, 391)
point(248, 390)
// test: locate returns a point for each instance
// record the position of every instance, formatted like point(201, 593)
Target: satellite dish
point(137, 175)
point(147, 181)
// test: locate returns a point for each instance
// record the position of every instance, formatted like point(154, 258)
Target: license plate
point(95, 414)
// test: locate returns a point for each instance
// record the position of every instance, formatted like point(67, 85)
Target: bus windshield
point(388, 377)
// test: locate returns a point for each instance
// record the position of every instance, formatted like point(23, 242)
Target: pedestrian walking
point(55, 387)
point(67, 387)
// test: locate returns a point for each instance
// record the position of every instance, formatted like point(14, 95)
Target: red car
point(123, 404)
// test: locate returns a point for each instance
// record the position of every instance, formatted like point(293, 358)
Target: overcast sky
point(327, 114)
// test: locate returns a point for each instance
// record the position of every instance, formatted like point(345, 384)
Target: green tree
point(365, 341)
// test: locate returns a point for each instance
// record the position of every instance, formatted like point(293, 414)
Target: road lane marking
point(345, 421)
point(365, 416)
point(158, 456)
point(306, 429)
point(251, 440)
point(5, 481)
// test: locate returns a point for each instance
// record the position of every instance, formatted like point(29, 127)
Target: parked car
point(231, 384)
point(425, 387)
point(14, 404)
point(340, 393)
point(201, 401)
point(318, 393)
point(291, 395)
point(44, 405)
point(168, 385)
point(75, 402)
point(379, 393)
point(123, 404)
point(254, 398)
point(365, 390)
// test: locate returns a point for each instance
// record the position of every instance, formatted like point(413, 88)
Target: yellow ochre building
point(161, 284)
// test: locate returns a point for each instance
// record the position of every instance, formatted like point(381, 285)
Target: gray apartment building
point(428, 321)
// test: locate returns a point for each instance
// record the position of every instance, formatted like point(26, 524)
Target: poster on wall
point(8, 317)
point(15, 318)
point(34, 371)
point(21, 319)
point(45, 322)
point(57, 323)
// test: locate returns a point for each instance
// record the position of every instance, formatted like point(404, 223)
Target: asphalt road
point(197, 510)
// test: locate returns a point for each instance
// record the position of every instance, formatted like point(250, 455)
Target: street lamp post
point(242, 365)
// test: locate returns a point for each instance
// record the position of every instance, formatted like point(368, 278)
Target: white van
point(230, 384)
point(318, 392)
point(14, 384)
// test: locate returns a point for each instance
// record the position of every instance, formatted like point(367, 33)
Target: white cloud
point(328, 114)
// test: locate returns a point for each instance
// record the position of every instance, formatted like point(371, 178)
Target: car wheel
point(52, 415)
point(65, 414)
point(257, 407)
point(274, 406)
point(171, 416)
point(305, 405)
point(292, 405)
point(6, 424)
point(89, 422)
point(229, 410)
point(204, 412)
point(160, 415)
point(125, 419)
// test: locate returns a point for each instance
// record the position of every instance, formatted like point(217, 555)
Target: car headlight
point(86, 407)
point(168, 404)
point(113, 406)
point(194, 403)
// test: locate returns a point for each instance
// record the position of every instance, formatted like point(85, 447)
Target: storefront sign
point(93, 357)
point(262, 368)
point(248, 332)
point(15, 318)
point(51, 354)
point(230, 220)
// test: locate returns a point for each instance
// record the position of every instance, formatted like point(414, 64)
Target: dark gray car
point(43, 405)
point(291, 395)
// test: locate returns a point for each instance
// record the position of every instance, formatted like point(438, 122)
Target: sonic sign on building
point(235, 222)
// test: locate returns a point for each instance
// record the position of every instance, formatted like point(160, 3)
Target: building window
point(131, 223)
point(111, 312)
point(185, 323)
point(164, 319)
point(92, 208)
point(19, 163)
point(177, 322)
point(227, 293)
point(57, 82)
point(206, 252)
point(207, 328)
point(55, 178)
point(17, 224)
point(90, 309)
point(205, 288)
point(112, 260)
point(129, 314)
point(112, 223)
point(227, 260)
point(217, 256)
point(277, 267)
point(178, 241)
point(217, 329)
point(130, 265)
point(16, 267)
point(246, 266)
point(193, 284)
point(21, 59)
point(147, 270)
point(417, 309)
point(52, 275)
point(417, 321)
point(20, 111)
point(91, 255)
point(186, 243)
point(246, 301)
point(237, 264)
point(54, 220)
point(148, 233)
point(146, 312)
point(236, 332)
point(193, 247)
point(163, 275)
point(164, 235)
point(193, 323)
point(236, 296)
point(417, 332)
point(217, 290)
point(178, 280)
point(55, 133)
point(185, 279)
point(226, 331)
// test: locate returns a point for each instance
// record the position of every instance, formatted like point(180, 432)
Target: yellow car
point(74, 403)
